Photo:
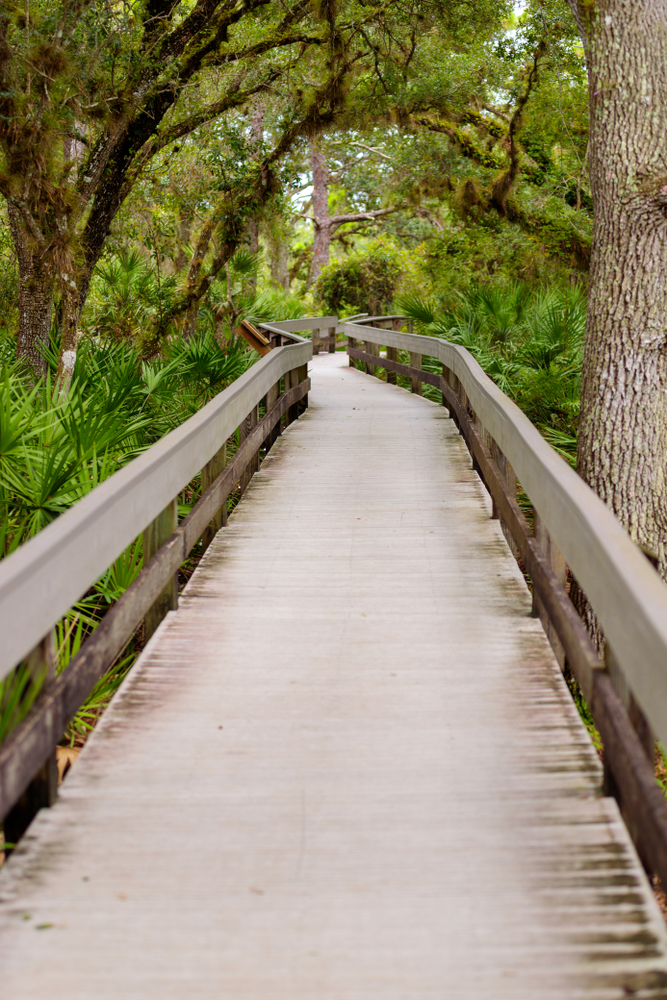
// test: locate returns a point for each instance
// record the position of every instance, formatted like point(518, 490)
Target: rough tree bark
point(36, 288)
point(321, 218)
point(257, 138)
point(325, 224)
point(623, 427)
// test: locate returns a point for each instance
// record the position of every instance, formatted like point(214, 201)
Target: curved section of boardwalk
point(346, 768)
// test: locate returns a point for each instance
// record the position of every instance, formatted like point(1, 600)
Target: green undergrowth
point(55, 447)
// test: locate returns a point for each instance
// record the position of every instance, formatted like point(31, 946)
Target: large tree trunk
point(321, 218)
point(623, 428)
point(280, 262)
point(36, 287)
point(257, 138)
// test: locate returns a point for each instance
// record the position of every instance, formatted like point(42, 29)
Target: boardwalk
point(346, 768)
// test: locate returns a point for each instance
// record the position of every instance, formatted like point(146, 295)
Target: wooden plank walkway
point(346, 768)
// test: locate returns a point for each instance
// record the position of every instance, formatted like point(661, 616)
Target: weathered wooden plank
point(411, 808)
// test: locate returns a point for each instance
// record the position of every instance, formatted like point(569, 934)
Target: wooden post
point(392, 355)
point(351, 342)
point(301, 376)
point(508, 475)
point(370, 349)
point(270, 401)
point(291, 381)
point(415, 362)
point(332, 340)
point(557, 563)
point(42, 790)
point(209, 474)
point(445, 372)
point(246, 427)
point(637, 718)
point(155, 535)
point(315, 337)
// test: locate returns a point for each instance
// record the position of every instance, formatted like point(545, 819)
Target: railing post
point(507, 472)
point(315, 337)
point(156, 534)
point(370, 349)
point(270, 401)
point(209, 474)
point(301, 376)
point(557, 563)
point(637, 718)
point(42, 790)
point(351, 343)
point(415, 362)
point(392, 355)
point(291, 381)
point(245, 429)
point(332, 340)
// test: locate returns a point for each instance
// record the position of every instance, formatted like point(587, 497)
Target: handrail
point(46, 576)
point(574, 528)
point(303, 323)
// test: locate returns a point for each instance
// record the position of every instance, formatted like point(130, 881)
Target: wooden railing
point(42, 580)
point(627, 695)
point(316, 326)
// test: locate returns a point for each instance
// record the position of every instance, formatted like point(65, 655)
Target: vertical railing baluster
point(209, 474)
point(246, 427)
point(332, 340)
point(42, 790)
point(370, 349)
point(270, 401)
point(557, 563)
point(155, 535)
point(415, 362)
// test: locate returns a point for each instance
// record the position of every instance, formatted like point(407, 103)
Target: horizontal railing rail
point(573, 528)
point(45, 578)
point(315, 325)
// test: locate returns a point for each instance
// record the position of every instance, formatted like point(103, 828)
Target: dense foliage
point(155, 167)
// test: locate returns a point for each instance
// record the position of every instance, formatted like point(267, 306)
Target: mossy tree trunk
point(322, 222)
point(36, 289)
point(623, 428)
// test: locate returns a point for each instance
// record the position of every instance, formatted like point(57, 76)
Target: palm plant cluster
point(530, 342)
point(56, 446)
point(129, 296)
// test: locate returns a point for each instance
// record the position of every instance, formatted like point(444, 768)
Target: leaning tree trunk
point(321, 218)
point(36, 287)
point(623, 426)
